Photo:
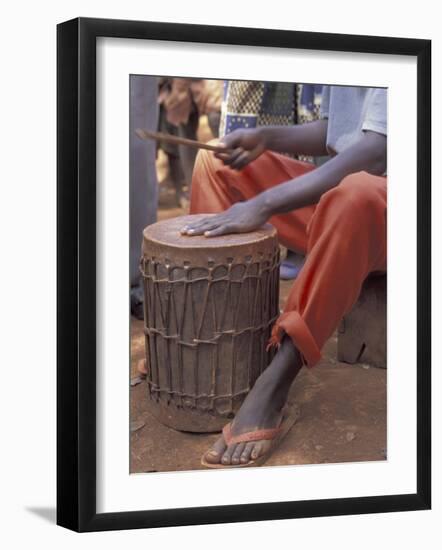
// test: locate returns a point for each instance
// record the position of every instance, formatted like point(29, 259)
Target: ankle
point(280, 374)
point(273, 388)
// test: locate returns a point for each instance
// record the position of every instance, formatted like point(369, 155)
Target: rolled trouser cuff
point(292, 324)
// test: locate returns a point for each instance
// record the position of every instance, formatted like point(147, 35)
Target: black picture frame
point(76, 273)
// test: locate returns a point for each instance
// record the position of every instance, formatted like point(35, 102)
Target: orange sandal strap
point(257, 435)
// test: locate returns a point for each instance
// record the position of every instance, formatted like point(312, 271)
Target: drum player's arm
point(368, 154)
point(243, 146)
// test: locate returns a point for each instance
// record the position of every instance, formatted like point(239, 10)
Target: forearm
point(301, 139)
point(368, 154)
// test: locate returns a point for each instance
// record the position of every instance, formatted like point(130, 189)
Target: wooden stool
point(362, 333)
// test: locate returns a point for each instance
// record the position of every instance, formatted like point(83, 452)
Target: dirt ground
point(343, 412)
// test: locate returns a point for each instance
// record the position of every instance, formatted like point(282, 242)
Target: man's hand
point(242, 217)
point(244, 147)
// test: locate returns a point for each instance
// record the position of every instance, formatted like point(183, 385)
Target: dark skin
point(263, 405)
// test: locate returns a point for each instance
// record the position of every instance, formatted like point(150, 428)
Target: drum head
point(163, 240)
point(168, 233)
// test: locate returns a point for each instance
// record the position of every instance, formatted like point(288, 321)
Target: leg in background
point(187, 155)
point(143, 178)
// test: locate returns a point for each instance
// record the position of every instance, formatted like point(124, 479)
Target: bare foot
point(261, 409)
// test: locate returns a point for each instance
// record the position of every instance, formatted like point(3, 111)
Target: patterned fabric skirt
point(249, 104)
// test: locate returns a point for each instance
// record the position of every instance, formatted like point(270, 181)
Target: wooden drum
point(209, 306)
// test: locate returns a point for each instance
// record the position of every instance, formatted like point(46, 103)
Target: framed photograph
point(230, 347)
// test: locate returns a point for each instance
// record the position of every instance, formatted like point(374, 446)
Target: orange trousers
point(343, 237)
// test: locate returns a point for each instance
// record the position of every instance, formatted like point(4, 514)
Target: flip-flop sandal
point(276, 435)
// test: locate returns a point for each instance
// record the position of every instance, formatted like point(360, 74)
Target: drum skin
point(209, 306)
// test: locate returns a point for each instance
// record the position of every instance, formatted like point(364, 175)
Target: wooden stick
point(158, 136)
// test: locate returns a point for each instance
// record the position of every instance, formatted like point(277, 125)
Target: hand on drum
point(242, 217)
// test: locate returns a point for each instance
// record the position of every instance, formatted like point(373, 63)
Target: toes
point(245, 455)
point(253, 450)
point(264, 446)
point(213, 456)
point(256, 451)
point(237, 453)
point(227, 456)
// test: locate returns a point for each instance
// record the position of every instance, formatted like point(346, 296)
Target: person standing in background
point(182, 102)
point(142, 176)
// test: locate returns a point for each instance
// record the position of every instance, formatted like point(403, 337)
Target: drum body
point(209, 306)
